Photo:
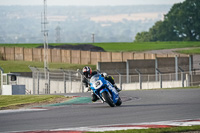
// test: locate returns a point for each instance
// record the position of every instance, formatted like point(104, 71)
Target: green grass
point(158, 130)
point(22, 66)
point(190, 51)
point(21, 45)
point(15, 100)
point(25, 45)
point(145, 46)
point(124, 46)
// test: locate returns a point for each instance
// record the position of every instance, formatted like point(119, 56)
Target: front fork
point(103, 90)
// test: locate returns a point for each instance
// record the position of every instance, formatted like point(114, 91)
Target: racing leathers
point(109, 78)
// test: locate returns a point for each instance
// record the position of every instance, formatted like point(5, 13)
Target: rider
point(88, 73)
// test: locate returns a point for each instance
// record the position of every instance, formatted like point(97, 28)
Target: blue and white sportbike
point(104, 90)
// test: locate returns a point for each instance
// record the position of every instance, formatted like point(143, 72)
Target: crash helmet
point(105, 74)
point(87, 71)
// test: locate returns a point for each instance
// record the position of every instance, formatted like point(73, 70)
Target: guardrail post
point(140, 77)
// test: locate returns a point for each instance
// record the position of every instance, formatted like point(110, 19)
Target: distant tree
point(181, 23)
point(142, 37)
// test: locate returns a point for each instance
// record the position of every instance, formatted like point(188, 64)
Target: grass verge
point(186, 129)
point(17, 101)
point(145, 46)
point(123, 46)
point(190, 51)
point(22, 66)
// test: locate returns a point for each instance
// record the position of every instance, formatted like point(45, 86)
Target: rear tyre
point(108, 99)
point(119, 102)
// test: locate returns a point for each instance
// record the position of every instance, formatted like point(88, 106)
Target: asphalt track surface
point(137, 107)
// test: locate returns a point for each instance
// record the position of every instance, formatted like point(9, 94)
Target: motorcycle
point(104, 90)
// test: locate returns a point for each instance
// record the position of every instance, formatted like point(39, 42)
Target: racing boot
point(94, 97)
point(118, 90)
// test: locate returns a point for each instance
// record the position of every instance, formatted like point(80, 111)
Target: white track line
point(19, 110)
point(103, 128)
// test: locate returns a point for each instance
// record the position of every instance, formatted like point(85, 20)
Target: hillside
point(22, 24)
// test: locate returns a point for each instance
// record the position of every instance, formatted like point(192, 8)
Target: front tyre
point(107, 98)
point(119, 102)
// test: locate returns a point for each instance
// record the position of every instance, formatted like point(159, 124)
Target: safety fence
point(56, 81)
point(51, 81)
point(162, 80)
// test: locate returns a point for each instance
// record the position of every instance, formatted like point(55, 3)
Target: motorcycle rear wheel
point(108, 99)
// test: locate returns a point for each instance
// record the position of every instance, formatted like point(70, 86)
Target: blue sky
point(88, 2)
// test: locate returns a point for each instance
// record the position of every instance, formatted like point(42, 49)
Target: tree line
point(181, 23)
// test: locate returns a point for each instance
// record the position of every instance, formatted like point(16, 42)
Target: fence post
point(99, 66)
point(160, 77)
point(2, 71)
point(127, 71)
point(47, 83)
point(34, 72)
point(187, 80)
point(176, 67)
point(70, 80)
point(140, 77)
point(120, 79)
point(156, 67)
point(64, 78)
point(82, 87)
point(182, 75)
point(190, 64)
point(38, 81)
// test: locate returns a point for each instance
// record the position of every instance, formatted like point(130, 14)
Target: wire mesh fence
point(54, 81)
point(51, 81)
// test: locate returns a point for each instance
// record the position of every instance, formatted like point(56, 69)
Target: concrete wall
point(55, 86)
point(95, 57)
point(2, 53)
point(144, 66)
point(10, 53)
point(74, 87)
point(29, 54)
point(166, 65)
point(74, 56)
point(19, 53)
point(37, 54)
point(195, 81)
point(183, 62)
point(152, 85)
point(112, 67)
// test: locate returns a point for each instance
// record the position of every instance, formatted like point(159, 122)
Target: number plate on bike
point(98, 84)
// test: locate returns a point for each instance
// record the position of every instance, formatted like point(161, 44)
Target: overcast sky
point(88, 2)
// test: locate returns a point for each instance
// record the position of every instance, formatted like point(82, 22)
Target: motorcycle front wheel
point(107, 98)
point(119, 102)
